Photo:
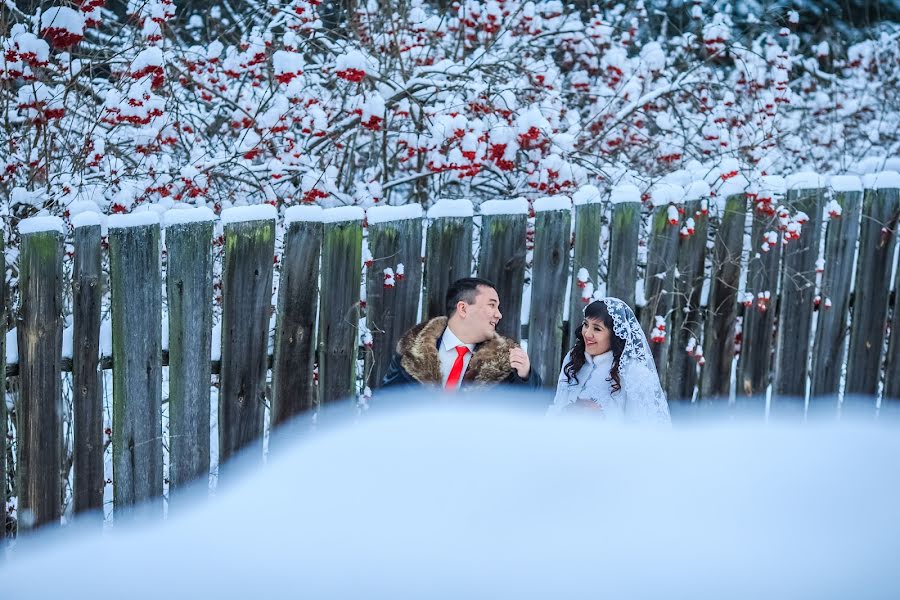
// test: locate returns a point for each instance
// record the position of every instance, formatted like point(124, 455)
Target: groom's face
point(482, 316)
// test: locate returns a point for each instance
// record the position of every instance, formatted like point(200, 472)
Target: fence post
point(393, 282)
point(686, 314)
point(136, 307)
point(293, 384)
point(39, 423)
point(189, 290)
point(831, 329)
point(88, 479)
point(659, 278)
point(501, 257)
point(247, 271)
point(550, 271)
point(588, 223)
point(4, 431)
point(339, 302)
point(624, 228)
point(448, 253)
point(877, 241)
point(891, 398)
point(760, 297)
point(805, 193)
point(721, 316)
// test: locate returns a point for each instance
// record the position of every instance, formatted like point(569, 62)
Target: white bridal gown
point(640, 400)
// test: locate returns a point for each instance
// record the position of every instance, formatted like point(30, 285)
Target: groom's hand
point(518, 358)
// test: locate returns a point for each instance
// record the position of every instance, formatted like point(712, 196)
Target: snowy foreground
point(491, 503)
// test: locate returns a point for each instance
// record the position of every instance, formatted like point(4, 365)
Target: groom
point(462, 349)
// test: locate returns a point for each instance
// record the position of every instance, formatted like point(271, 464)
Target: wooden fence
point(705, 292)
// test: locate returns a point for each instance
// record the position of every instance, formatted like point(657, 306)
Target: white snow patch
point(516, 206)
point(696, 190)
point(451, 208)
point(587, 194)
point(307, 213)
point(806, 180)
point(86, 219)
point(136, 219)
point(41, 224)
point(181, 216)
point(386, 214)
point(551, 203)
point(339, 214)
point(882, 180)
point(662, 194)
point(846, 183)
point(256, 212)
point(625, 193)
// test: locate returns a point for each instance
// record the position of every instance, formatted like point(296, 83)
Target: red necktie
point(456, 371)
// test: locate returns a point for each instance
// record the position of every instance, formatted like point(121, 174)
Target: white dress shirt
point(447, 353)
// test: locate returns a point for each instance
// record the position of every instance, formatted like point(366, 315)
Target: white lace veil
point(637, 370)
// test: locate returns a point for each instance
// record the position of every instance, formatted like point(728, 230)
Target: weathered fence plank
point(686, 314)
point(798, 290)
point(393, 282)
point(39, 410)
point(136, 307)
point(831, 329)
point(448, 253)
point(550, 271)
point(189, 291)
point(501, 257)
point(721, 316)
point(754, 365)
point(586, 255)
point(293, 383)
point(662, 247)
point(624, 229)
point(87, 394)
point(4, 428)
point(339, 303)
point(247, 272)
point(891, 396)
point(877, 240)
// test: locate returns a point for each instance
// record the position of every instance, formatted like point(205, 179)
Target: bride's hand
point(584, 405)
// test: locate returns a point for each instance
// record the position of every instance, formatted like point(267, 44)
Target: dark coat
point(416, 360)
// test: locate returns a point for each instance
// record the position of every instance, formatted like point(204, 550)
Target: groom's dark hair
point(465, 289)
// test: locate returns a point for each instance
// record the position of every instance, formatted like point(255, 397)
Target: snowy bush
point(407, 103)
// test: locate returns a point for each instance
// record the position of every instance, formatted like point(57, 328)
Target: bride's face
point(596, 337)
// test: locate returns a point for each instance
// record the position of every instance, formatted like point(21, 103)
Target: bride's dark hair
point(596, 310)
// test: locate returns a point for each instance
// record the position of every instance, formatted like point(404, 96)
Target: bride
point(610, 370)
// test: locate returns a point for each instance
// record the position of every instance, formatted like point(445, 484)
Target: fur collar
point(418, 349)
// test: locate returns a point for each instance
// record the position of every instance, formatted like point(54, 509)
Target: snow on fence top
point(549, 203)
point(586, 194)
point(625, 193)
point(696, 190)
point(307, 213)
point(41, 224)
point(662, 194)
point(340, 214)
point(736, 183)
point(86, 218)
point(386, 213)
point(181, 216)
point(772, 184)
point(882, 180)
point(135, 219)
point(846, 183)
point(257, 212)
point(516, 206)
point(806, 181)
point(451, 208)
